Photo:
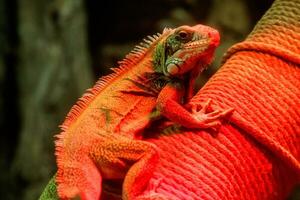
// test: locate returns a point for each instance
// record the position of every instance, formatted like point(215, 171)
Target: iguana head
point(184, 48)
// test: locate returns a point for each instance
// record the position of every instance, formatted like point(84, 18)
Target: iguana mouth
point(199, 44)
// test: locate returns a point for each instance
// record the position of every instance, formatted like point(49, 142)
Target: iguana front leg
point(169, 106)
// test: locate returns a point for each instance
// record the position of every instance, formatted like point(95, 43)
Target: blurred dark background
point(52, 50)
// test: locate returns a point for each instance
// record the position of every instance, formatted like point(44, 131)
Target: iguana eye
point(183, 34)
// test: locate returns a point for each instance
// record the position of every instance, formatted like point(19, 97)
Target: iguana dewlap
point(98, 140)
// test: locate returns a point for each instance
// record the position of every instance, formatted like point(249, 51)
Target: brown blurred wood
point(233, 21)
point(53, 71)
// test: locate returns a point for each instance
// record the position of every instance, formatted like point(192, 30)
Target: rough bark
point(53, 71)
point(223, 16)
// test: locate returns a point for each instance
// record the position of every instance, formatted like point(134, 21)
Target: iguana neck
point(277, 33)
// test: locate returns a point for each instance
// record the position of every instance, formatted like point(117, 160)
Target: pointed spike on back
point(114, 69)
point(134, 51)
point(125, 64)
point(143, 45)
point(121, 62)
point(152, 38)
point(156, 36)
point(147, 41)
point(166, 30)
point(140, 48)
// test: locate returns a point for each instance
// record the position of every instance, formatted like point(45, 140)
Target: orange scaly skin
point(99, 136)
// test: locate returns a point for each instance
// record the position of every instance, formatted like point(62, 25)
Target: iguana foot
point(208, 120)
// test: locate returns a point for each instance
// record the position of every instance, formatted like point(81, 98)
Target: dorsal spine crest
point(138, 52)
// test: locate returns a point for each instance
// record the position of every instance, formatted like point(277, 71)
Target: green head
point(184, 48)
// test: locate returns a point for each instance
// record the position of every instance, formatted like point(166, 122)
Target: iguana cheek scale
point(99, 136)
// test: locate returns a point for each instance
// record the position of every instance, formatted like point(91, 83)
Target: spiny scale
point(131, 59)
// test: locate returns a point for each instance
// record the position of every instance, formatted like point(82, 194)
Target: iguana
point(99, 138)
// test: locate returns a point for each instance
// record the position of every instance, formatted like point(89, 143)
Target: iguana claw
point(211, 119)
